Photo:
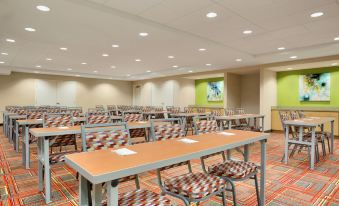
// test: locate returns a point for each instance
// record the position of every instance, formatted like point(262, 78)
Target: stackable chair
point(229, 170)
point(201, 109)
point(112, 136)
point(103, 118)
point(75, 111)
point(59, 120)
point(139, 132)
point(244, 124)
point(189, 187)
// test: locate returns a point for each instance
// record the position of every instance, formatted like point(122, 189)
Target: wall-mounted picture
point(315, 87)
point(215, 91)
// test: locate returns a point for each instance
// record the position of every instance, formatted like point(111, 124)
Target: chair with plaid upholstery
point(189, 187)
point(98, 118)
point(59, 120)
point(204, 125)
point(112, 136)
point(75, 111)
point(229, 170)
point(136, 134)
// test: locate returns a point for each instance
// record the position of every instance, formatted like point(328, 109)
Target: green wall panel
point(201, 92)
point(288, 88)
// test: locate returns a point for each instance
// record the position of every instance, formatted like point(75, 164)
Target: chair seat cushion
point(194, 185)
point(233, 169)
point(59, 157)
point(142, 198)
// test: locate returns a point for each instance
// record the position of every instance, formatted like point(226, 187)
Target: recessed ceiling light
point(208, 64)
point(293, 57)
point(77, 75)
point(247, 32)
point(49, 59)
point(83, 63)
point(10, 40)
point(138, 60)
point(334, 64)
point(4, 53)
point(95, 71)
point(171, 57)
point(202, 49)
point(105, 55)
point(238, 60)
point(113, 67)
point(128, 75)
point(336, 38)
point(190, 71)
point(211, 15)
point(63, 48)
point(143, 34)
point(317, 14)
point(289, 68)
point(69, 69)
point(36, 72)
point(30, 29)
point(281, 48)
point(148, 71)
point(2, 62)
point(43, 8)
point(115, 45)
point(175, 66)
point(38, 66)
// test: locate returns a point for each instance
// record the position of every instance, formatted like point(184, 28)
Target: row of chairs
point(294, 135)
point(189, 187)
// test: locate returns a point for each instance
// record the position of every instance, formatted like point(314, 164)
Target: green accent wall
point(201, 92)
point(288, 88)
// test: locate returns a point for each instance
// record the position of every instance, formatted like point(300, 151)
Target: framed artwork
point(315, 87)
point(215, 91)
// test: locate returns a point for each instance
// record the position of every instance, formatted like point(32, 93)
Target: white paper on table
point(39, 119)
point(226, 133)
point(188, 141)
point(63, 127)
point(124, 151)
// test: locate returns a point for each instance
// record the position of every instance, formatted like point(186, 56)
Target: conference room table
point(153, 155)
point(43, 135)
point(248, 117)
point(11, 123)
point(152, 114)
point(307, 123)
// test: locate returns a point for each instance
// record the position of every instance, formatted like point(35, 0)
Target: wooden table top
point(154, 155)
point(239, 116)
point(309, 121)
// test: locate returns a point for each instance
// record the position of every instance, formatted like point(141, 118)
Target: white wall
point(233, 90)
point(250, 93)
point(268, 94)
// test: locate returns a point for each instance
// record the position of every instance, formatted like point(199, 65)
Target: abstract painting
point(215, 91)
point(315, 87)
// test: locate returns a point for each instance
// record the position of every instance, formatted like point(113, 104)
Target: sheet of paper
point(124, 151)
point(39, 119)
point(188, 141)
point(63, 127)
point(226, 133)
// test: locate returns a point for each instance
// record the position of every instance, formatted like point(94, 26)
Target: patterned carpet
point(292, 184)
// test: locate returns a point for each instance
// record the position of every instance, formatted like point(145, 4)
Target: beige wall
point(250, 93)
point(233, 90)
point(19, 89)
point(268, 94)
point(165, 92)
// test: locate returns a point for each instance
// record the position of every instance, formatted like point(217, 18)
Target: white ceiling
point(88, 28)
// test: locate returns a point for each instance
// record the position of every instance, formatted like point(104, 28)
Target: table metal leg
point(97, 195)
point(47, 170)
point(313, 142)
point(25, 148)
point(112, 193)
point(40, 165)
point(16, 145)
point(229, 124)
point(262, 172)
point(263, 124)
point(332, 137)
point(246, 153)
point(83, 191)
point(287, 131)
point(10, 131)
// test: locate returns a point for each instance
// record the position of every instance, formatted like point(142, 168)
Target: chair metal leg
point(328, 144)
point(223, 198)
point(257, 188)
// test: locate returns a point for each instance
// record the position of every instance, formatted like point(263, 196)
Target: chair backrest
point(188, 110)
point(57, 120)
point(217, 112)
point(284, 116)
point(229, 111)
point(35, 114)
point(104, 136)
point(201, 109)
point(294, 115)
point(240, 110)
point(132, 117)
point(98, 119)
point(301, 114)
point(163, 129)
point(205, 126)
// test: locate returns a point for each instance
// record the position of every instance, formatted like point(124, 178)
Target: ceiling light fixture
point(138, 60)
point(148, 71)
point(4, 53)
point(247, 32)
point(36, 72)
point(143, 34)
point(113, 67)
point(115, 45)
point(10, 40)
point(69, 69)
point(334, 64)
point(128, 75)
point(293, 57)
point(171, 57)
point(336, 38)
point(49, 59)
point(105, 55)
point(238, 60)
point(83, 63)
point(208, 65)
point(2, 62)
point(77, 75)
point(202, 49)
point(30, 29)
point(43, 8)
point(175, 66)
point(317, 14)
point(211, 15)
point(281, 48)
point(95, 71)
point(38, 66)
point(63, 48)
point(190, 71)
point(289, 68)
